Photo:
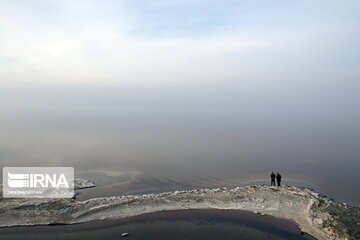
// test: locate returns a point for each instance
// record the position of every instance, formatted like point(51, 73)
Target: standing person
point(272, 176)
point(278, 179)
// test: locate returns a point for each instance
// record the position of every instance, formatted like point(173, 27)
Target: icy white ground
point(81, 183)
point(315, 214)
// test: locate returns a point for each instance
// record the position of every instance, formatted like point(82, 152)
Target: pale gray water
point(182, 137)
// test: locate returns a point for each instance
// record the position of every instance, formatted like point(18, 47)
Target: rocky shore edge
point(316, 214)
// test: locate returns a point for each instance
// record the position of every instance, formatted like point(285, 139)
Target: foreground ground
point(315, 214)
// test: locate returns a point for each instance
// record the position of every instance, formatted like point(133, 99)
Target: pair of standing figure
point(278, 179)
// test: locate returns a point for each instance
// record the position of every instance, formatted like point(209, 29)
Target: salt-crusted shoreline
point(315, 214)
point(81, 183)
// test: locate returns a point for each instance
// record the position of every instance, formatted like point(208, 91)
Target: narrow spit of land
point(316, 215)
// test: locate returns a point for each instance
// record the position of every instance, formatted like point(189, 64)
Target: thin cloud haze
point(201, 89)
point(146, 42)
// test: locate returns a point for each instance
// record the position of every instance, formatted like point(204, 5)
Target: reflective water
point(178, 137)
point(176, 225)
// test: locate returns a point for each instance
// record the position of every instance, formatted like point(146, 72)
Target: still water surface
point(167, 138)
point(175, 225)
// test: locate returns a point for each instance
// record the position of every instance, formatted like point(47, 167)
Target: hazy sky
point(252, 44)
point(240, 87)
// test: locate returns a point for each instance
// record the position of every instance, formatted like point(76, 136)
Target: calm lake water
point(176, 225)
point(166, 138)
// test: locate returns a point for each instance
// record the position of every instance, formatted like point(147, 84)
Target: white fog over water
point(181, 94)
point(187, 136)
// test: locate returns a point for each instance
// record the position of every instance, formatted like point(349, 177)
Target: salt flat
point(317, 215)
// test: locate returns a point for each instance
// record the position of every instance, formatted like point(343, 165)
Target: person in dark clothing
point(278, 179)
point(272, 176)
